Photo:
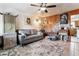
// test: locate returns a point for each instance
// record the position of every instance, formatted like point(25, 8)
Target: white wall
point(21, 22)
point(1, 24)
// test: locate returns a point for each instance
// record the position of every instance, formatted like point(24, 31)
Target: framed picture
point(28, 20)
point(64, 18)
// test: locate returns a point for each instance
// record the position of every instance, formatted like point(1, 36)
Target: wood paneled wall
point(51, 22)
point(72, 12)
point(53, 19)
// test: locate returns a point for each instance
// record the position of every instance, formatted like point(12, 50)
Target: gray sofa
point(26, 36)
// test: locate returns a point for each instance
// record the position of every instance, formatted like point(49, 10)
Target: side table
point(9, 40)
point(63, 36)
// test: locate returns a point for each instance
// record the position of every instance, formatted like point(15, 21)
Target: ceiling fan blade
point(41, 5)
point(34, 5)
point(50, 6)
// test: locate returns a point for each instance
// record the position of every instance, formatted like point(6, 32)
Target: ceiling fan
point(44, 6)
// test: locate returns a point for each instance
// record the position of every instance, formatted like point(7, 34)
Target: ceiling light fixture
point(43, 8)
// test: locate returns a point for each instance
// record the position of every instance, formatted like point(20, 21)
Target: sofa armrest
point(21, 38)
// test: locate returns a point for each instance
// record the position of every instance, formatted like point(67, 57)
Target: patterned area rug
point(43, 47)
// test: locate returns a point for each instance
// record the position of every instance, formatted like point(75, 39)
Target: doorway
point(74, 29)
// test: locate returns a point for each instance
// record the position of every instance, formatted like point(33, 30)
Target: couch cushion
point(33, 32)
point(33, 36)
point(25, 31)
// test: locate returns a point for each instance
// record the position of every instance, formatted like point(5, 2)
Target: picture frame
point(28, 20)
point(64, 18)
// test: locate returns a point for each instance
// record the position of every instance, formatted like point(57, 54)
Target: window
point(72, 24)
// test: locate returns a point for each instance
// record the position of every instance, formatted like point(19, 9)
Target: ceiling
point(27, 10)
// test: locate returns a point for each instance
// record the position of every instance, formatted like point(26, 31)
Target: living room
point(40, 29)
